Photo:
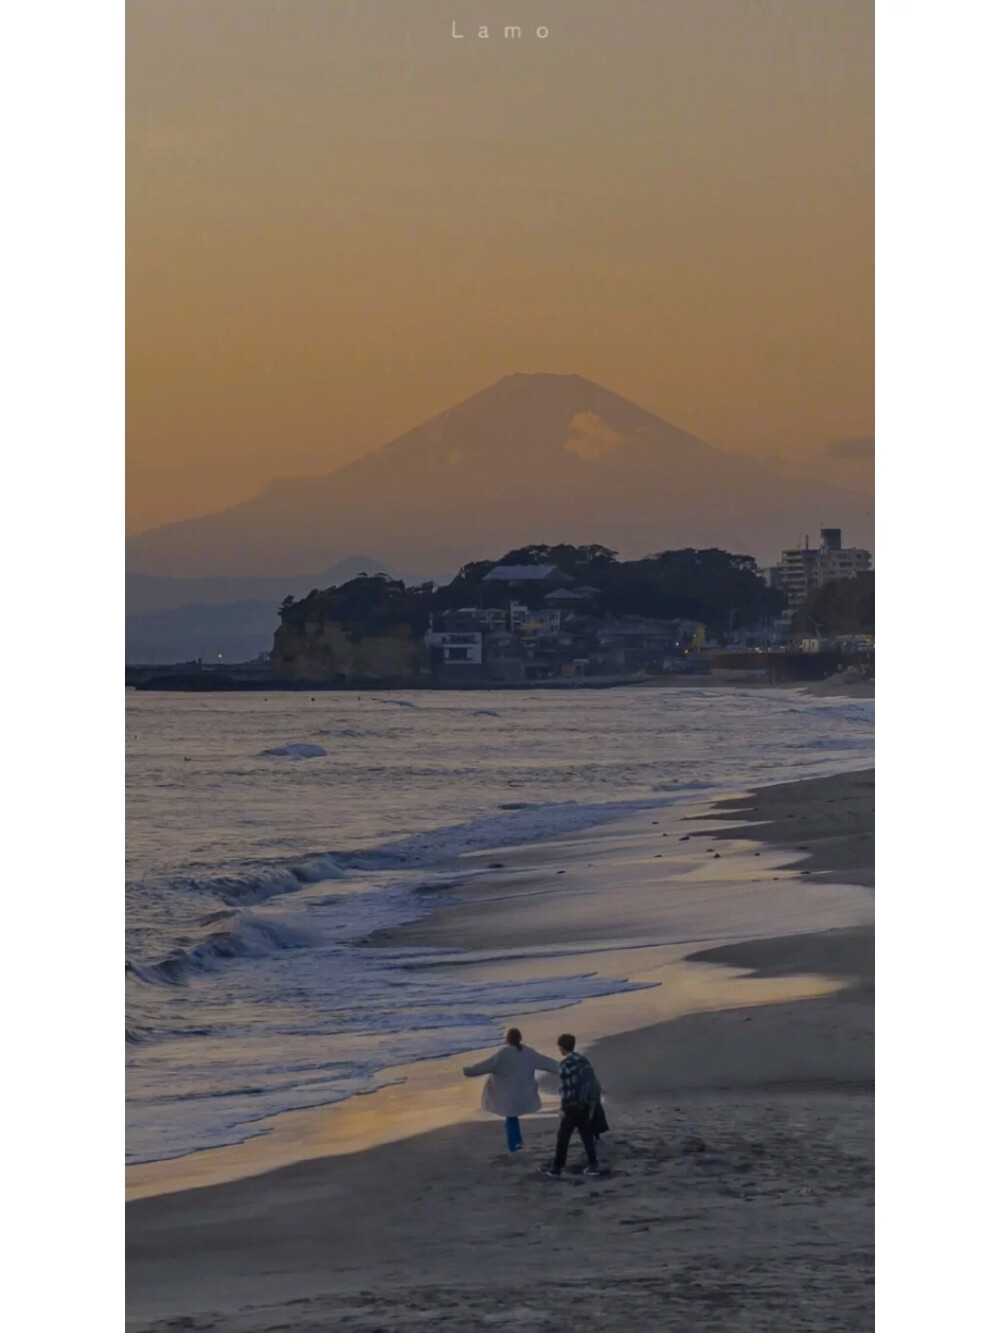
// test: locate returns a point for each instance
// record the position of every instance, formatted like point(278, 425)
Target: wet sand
point(740, 1195)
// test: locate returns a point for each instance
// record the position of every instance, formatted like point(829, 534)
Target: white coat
point(511, 1088)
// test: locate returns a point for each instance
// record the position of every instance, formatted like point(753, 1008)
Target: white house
point(463, 648)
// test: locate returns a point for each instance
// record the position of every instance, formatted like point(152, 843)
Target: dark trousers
point(574, 1118)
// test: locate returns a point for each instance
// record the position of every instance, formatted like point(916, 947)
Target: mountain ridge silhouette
point(531, 458)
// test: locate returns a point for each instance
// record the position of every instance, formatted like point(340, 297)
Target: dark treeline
point(722, 590)
point(846, 606)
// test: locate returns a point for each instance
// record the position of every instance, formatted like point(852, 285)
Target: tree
point(716, 587)
point(845, 606)
point(568, 558)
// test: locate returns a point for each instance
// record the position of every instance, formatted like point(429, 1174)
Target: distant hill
point(552, 458)
point(151, 592)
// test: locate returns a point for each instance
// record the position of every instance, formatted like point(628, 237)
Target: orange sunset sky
point(342, 220)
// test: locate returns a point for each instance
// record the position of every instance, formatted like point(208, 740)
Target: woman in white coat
point(511, 1090)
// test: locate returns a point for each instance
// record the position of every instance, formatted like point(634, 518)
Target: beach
point(738, 1081)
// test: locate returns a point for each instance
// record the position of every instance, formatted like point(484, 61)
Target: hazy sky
point(342, 220)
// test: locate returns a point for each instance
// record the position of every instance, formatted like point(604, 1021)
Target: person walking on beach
point(511, 1090)
point(579, 1096)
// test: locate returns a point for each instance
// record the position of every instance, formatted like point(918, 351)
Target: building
point(803, 569)
point(490, 618)
point(571, 599)
point(462, 648)
point(525, 621)
point(834, 561)
point(635, 643)
point(505, 657)
point(456, 641)
point(533, 576)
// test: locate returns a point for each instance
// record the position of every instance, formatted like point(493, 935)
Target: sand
point(740, 1193)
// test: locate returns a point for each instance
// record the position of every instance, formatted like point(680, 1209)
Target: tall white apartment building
point(801, 570)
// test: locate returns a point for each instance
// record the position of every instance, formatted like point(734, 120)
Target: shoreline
point(509, 920)
point(733, 1025)
point(217, 682)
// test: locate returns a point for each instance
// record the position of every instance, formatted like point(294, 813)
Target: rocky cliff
point(324, 651)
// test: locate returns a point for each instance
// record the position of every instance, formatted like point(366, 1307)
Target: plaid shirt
point(571, 1078)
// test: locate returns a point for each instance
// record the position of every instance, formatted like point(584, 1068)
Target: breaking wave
point(247, 937)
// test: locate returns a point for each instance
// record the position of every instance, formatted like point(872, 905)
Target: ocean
point(269, 835)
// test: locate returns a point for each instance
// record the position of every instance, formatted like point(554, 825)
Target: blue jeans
point(513, 1127)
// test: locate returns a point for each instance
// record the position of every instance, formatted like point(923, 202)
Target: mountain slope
point(531, 458)
point(151, 592)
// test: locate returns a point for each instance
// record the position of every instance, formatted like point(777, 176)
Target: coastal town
point(560, 631)
point(564, 615)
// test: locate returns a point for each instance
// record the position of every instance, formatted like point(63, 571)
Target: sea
point(268, 837)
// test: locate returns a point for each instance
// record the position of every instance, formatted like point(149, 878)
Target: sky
point(342, 219)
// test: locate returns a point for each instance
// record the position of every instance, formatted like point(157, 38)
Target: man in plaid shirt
point(579, 1093)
